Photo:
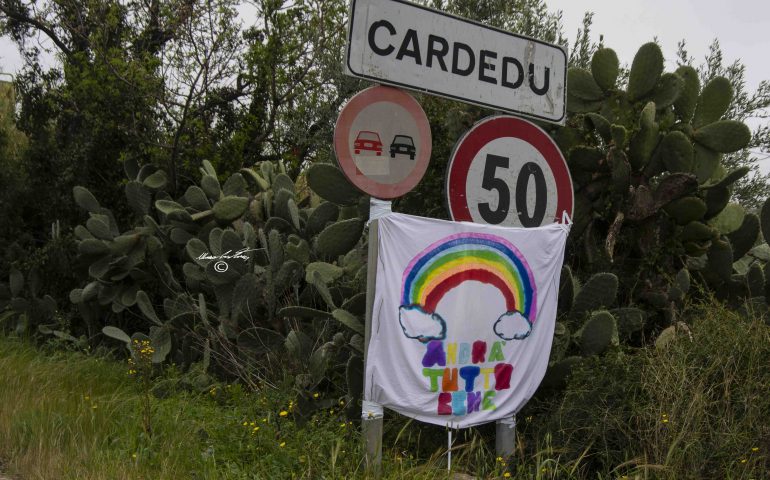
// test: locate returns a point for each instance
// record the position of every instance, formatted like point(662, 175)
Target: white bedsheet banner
point(463, 318)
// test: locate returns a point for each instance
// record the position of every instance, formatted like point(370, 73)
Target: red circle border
point(490, 129)
point(345, 158)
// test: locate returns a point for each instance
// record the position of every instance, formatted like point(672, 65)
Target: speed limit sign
point(507, 171)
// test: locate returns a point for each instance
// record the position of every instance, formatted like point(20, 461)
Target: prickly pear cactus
point(653, 212)
point(650, 189)
point(238, 260)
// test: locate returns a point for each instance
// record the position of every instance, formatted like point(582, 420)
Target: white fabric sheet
point(463, 318)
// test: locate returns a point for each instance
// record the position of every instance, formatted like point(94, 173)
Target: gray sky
point(742, 27)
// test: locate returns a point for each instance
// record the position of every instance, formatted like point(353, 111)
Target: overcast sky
point(742, 27)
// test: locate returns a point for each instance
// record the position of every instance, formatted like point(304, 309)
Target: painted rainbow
point(470, 256)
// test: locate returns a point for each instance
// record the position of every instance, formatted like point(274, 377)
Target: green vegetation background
point(183, 87)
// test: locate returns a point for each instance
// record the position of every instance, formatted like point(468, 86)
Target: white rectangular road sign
point(410, 46)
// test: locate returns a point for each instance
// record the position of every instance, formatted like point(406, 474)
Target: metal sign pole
point(505, 437)
point(371, 424)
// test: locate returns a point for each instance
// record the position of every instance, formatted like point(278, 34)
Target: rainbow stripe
point(470, 256)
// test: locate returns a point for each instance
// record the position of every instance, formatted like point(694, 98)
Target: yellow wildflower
point(283, 413)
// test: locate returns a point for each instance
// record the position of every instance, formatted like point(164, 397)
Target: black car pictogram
point(402, 144)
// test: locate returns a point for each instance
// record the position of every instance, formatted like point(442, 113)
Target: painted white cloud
point(421, 325)
point(512, 326)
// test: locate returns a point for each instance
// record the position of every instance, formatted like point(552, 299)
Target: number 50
point(491, 181)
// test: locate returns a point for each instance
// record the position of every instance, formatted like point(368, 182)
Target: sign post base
point(372, 432)
point(505, 438)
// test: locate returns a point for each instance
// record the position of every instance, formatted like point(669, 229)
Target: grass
point(67, 415)
point(700, 408)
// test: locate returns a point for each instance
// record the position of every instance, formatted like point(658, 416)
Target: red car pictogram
point(367, 140)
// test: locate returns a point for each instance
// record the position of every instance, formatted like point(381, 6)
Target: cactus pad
point(321, 216)
point(330, 184)
point(644, 141)
point(578, 105)
point(619, 135)
point(85, 199)
point(156, 181)
point(629, 320)
point(354, 376)
point(600, 124)
point(327, 271)
point(605, 67)
point(733, 176)
point(706, 162)
point(729, 219)
point(645, 71)
point(196, 198)
point(230, 208)
point(282, 181)
point(620, 170)
point(684, 105)
point(755, 278)
point(582, 85)
point(599, 291)
point(697, 232)
point(717, 199)
point(724, 136)
point(745, 237)
point(210, 186)
point(338, 238)
point(719, 266)
point(585, 158)
point(668, 90)
point(599, 333)
point(349, 320)
point(686, 210)
point(235, 185)
point(557, 374)
point(677, 152)
point(713, 102)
